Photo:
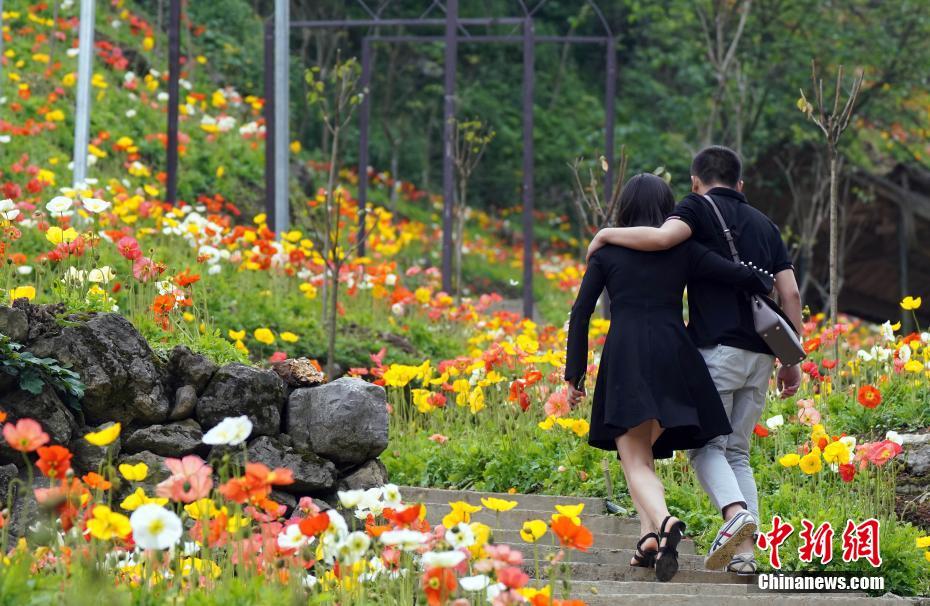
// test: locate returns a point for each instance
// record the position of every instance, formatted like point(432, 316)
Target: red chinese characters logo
point(860, 541)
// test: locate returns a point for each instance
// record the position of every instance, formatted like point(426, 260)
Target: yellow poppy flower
point(289, 337)
point(23, 292)
point(139, 498)
point(810, 463)
point(533, 530)
point(134, 473)
point(105, 436)
point(923, 542)
point(572, 512)
point(790, 460)
point(264, 335)
point(836, 452)
point(237, 335)
point(476, 400)
point(56, 235)
point(548, 424)
point(495, 504)
point(461, 512)
point(107, 524)
point(910, 303)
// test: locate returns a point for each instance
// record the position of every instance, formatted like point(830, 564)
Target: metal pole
point(174, 98)
point(82, 112)
point(281, 115)
point(610, 91)
point(904, 221)
point(448, 126)
point(529, 56)
point(1, 46)
point(269, 121)
point(364, 116)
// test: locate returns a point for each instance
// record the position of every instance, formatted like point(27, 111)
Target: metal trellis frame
point(456, 32)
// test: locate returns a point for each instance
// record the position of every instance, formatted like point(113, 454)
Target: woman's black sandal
point(645, 559)
point(667, 559)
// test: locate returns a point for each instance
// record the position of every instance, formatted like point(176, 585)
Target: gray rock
point(185, 403)
point(370, 475)
point(237, 390)
point(124, 381)
point(171, 440)
point(88, 457)
point(311, 473)
point(46, 408)
point(284, 498)
point(917, 459)
point(345, 421)
point(8, 473)
point(189, 368)
point(14, 324)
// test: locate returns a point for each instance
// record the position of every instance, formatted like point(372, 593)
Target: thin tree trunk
point(327, 227)
point(459, 241)
point(834, 244)
point(333, 313)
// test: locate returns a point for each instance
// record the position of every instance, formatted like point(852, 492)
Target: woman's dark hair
point(646, 200)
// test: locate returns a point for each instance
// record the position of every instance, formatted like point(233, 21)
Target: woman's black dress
point(650, 368)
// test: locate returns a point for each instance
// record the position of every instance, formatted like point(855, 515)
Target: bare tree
point(336, 97)
point(471, 140)
point(832, 123)
point(809, 208)
point(596, 210)
point(716, 21)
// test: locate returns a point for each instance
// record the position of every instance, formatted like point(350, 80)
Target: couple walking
point(662, 388)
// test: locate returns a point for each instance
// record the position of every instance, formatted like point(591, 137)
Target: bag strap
point(726, 229)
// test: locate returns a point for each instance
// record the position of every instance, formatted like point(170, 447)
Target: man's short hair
point(717, 164)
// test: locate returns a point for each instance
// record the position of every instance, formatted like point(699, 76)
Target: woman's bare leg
point(646, 490)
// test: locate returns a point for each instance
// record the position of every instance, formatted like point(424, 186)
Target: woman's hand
point(574, 395)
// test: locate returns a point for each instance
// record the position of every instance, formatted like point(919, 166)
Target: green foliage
point(34, 373)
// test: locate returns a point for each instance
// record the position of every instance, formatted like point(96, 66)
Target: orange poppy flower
point(438, 584)
point(571, 535)
point(96, 481)
point(314, 525)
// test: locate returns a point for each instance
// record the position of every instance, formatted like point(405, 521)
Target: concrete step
point(691, 571)
point(693, 596)
point(612, 557)
point(515, 518)
point(596, 590)
point(605, 541)
point(534, 502)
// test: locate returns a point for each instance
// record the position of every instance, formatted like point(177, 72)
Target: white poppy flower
point(850, 442)
point(95, 205)
point(407, 540)
point(292, 538)
point(231, 431)
point(460, 535)
point(391, 495)
point(894, 436)
point(904, 353)
point(350, 498)
point(59, 205)
point(776, 421)
point(443, 559)
point(475, 583)
point(154, 527)
point(101, 275)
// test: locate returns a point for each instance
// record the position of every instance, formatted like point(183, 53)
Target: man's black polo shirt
point(720, 314)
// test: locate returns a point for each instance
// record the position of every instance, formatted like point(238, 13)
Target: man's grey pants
point(722, 466)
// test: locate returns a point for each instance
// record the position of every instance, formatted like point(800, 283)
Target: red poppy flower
point(760, 431)
point(870, 396)
point(54, 461)
point(847, 472)
point(314, 525)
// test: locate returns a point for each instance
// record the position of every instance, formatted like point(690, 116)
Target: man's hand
point(789, 380)
point(574, 395)
point(595, 244)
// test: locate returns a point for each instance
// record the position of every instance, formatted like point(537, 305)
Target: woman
point(653, 393)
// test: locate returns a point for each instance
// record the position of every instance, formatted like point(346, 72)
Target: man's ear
point(739, 185)
point(696, 184)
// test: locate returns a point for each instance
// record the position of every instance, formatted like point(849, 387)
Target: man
point(721, 326)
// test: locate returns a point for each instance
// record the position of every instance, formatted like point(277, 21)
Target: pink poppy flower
point(438, 438)
point(809, 416)
point(557, 404)
point(191, 479)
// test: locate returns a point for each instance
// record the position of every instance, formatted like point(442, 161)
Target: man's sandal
point(645, 559)
point(667, 560)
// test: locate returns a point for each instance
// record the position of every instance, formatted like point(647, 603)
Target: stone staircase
point(602, 575)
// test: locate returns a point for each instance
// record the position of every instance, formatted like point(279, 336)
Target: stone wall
point(329, 435)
